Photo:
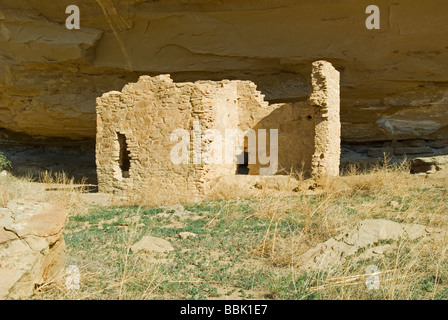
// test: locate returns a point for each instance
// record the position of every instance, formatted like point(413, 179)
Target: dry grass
point(387, 192)
point(294, 224)
point(99, 280)
point(49, 187)
point(12, 188)
point(413, 271)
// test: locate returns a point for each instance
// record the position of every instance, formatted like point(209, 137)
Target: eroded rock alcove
point(393, 86)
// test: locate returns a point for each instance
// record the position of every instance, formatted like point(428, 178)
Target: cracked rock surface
point(376, 236)
point(31, 246)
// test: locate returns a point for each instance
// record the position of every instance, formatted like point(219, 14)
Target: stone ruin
point(135, 144)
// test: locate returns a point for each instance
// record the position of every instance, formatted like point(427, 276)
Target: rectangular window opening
point(124, 159)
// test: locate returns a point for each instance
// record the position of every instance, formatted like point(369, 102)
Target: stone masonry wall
point(295, 126)
point(309, 132)
point(135, 144)
point(146, 113)
point(325, 98)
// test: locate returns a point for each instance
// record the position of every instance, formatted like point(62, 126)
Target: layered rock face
point(393, 80)
point(31, 246)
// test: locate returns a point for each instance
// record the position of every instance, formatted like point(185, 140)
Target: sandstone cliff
point(394, 81)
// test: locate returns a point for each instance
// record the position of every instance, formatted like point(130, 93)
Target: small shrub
point(4, 162)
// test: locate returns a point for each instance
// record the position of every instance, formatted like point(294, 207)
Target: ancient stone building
point(161, 137)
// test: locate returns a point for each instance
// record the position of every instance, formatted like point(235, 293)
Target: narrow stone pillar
point(327, 139)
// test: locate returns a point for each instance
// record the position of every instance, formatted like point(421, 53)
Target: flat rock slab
point(40, 220)
point(152, 245)
point(31, 246)
point(368, 234)
point(187, 235)
point(178, 211)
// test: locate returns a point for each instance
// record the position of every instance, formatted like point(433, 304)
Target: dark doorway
point(243, 168)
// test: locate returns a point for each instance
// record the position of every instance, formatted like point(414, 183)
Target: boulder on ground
point(32, 247)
